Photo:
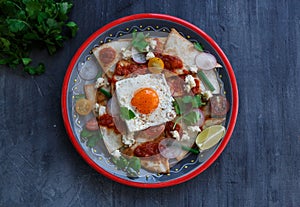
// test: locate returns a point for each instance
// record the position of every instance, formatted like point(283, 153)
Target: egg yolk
point(145, 100)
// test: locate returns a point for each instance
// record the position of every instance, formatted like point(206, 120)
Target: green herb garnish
point(181, 105)
point(92, 137)
point(205, 80)
point(189, 149)
point(139, 41)
point(105, 93)
point(32, 23)
point(176, 107)
point(92, 141)
point(198, 46)
point(190, 118)
point(194, 100)
point(131, 165)
point(126, 113)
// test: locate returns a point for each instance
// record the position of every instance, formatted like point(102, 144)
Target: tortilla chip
point(178, 46)
point(188, 143)
point(111, 140)
point(156, 163)
point(117, 46)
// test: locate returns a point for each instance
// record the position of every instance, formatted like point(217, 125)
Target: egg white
point(125, 90)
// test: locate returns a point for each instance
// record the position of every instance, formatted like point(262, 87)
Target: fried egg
point(149, 97)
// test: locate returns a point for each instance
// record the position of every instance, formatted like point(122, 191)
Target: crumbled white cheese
point(207, 94)
point(100, 82)
point(193, 68)
point(190, 83)
point(96, 107)
point(147, 48)
point(153, 44)
point(99, 109)
point(126, 54)
point(185, 136)
point(150, 55)
point(102, 110)
point(175, 135)
point(116, 154)
point(128, 139)
point(194, 128)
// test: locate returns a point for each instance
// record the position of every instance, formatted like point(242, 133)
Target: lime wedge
point(210, 136)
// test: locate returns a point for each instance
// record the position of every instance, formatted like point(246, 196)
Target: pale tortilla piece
point(111, 140)
point(90, 92)
point(187, 143)
point(117, 46)
point(156, 163)
point(178, 46)
point(160, 43)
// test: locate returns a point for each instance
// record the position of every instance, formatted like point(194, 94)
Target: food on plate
point(158, 99)
point(83, 106)
point(210, 136)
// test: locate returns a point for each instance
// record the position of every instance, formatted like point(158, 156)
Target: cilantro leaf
point(182, 104)
point(126, 113)
point(191, 118)
point(73, 27)
point(194, 100)
point(139, 41)
point(198, 46)
point(27, 24)
point(92, 137)
point(133, 167)
point(26, 61)
point(15, 25)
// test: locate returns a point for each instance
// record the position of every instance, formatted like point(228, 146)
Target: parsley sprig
point(28, 23)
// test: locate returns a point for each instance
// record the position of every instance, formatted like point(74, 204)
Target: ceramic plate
point(97, 156)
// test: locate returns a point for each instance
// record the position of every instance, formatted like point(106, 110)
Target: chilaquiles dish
point(155, 100)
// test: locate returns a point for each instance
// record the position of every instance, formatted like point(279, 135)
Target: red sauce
point(107, 55)
point(171, 62)
point(126, 67)
point(196, 89)
point(106, 120)
point(170, 127)
point(146, 149)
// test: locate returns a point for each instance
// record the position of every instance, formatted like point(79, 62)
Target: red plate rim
point(230, 125)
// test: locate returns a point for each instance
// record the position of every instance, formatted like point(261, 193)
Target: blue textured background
point(260, 165)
